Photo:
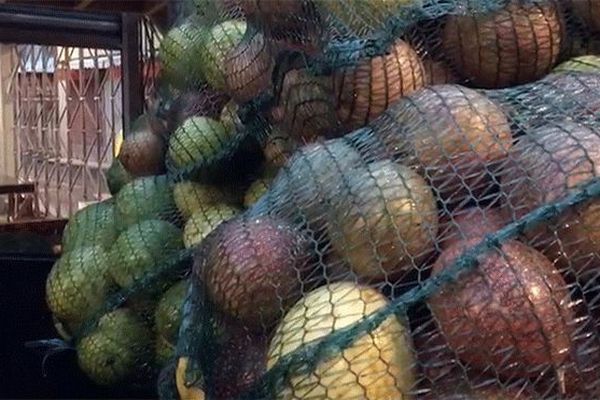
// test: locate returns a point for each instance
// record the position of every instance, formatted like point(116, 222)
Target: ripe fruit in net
point(545, 166)
point(513, 313)
point(117, 177)
point(167, 319)
point(141, 250)
point(217, 48)
point(580, 64)
point(252, 268)
point(386, 222)
point(454, 135)
point(589, 12)
point(180, 50)
point(95, 224)
point(198, 141)
point(202, 102)
point(279, 147)
point(204, 221)
point(378, 365)
point(143, 153)
point(78, 284)
point(191, 197)
point(118, 350)
point(248, 68)
point(438, 73)
point(517, 44)
point(365, 91)
point(145, 198)
point(471, 223)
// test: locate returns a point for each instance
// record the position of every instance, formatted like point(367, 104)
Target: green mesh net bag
point(384, 199)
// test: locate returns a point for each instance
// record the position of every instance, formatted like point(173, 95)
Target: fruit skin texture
point(179, 52)
point(95, 224)
point(267, 255)
point(472, 223)
point(451, 134)
point(365, 91)
point(376, 366)
point(143, 150)
point(167, 320)
point(78, 284)
point(145, 198)
point(204, 101)
point(117, 350)
point(217, 50)
point(515, 308)
point(141, 249)
point(191, 197)
point(198, 141)
point(545, 166)
point(589, 63)
point(203, 222)
point(256, 190)
point(386, 223)
point(512, 46)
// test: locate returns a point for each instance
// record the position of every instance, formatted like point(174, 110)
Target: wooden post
point(8, 149)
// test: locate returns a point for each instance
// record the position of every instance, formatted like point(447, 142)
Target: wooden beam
point(8, 158)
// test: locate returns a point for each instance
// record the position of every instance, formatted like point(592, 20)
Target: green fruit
point(92, 225)
point(78, 284)
point(141, 249)
point(117, 177)
point(146, 198)
point(198, 141)
point(220, 41)
point(165, 351)
point(203, 222)
point(191, 197)
point(588, 63)
point(180, 51)
point(168, 312)
point(256, 190)
point(229, 116)
point(117, 350)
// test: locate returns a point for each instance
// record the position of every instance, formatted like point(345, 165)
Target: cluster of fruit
point(365, 179)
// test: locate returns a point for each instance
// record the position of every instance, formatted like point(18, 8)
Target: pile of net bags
point(351, 199)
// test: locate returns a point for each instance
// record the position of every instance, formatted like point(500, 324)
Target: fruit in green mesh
point(118, 350)
point(78, 284)
point(386, 223)
point(180, 51)
point(513, 313)
point(470, 223)
point(117, 176)
point(95, 224)
point(362, 16)
point(378, 365)
point(167, 317)
point(146, 198)
point(198, 141)
point(588, 63)
point(204, 101)
point(218, 46)
point(143, 150)
point(191, 197)
point(204, 221)
point(141, 249)
point(268, 255)
point(514, 45)
point(256, 190)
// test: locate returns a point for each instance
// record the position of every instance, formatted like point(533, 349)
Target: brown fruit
point(253, 268)
point(249, 68)
point(513, 313)
point(438, 73)
point(515, 45)
point(279, 147)
point(143, 151)
point(307, 107)
point(365, 91)
point(386, 222)
point(205, 102)
point(589, 12)
point(471, 223)
point(544, 167)
point(239, 365)
point(453, 134)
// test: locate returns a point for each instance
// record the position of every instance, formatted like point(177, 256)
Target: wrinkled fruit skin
point(513, 313)
point(545, 166)
point(376, 366)
point(253, 268)
point(515, 45)
point(386, 223)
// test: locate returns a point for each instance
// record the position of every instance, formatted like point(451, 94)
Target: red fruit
point(252, 268)
point(472, 223)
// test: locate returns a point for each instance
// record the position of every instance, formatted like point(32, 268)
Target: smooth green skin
point(191, 197)
point(197, 141)
point(220, 41)
point(141, 249)
point(117, 177)
point(94, 224)
point(78, 284)
point(180, 51)
point(117, 349)
point(145, 198)
point(588, 63)
point(203, 222)
point(167, 317)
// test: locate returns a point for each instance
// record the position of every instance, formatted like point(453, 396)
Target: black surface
point(24, 265)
